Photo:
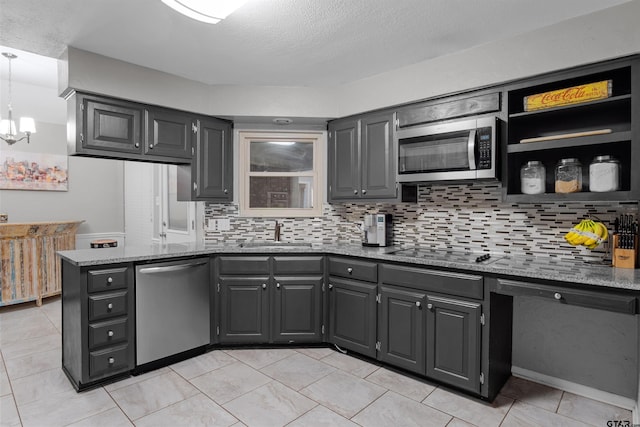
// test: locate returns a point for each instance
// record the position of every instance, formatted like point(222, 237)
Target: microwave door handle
point(471, 149)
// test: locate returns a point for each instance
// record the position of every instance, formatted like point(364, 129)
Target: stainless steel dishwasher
point(172, 308)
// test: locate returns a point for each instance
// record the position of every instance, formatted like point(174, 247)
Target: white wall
point(95, 188)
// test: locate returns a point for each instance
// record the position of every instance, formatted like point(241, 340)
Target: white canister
point(532, 178)
point(604, 174)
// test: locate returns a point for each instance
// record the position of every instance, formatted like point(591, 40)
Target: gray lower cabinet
point(401, 328)
point(352, 315)
point(297, 309)
point(98, 330)
point(453, 342)
point(244, 309)
point(265, 299)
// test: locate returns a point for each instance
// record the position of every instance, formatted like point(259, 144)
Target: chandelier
point(8, 131)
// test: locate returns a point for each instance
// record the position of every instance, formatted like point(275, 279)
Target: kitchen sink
point(273, 244)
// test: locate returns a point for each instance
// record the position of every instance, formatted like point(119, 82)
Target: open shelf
point(612, 113)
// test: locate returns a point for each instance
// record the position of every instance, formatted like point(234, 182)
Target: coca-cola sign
point(568, 96)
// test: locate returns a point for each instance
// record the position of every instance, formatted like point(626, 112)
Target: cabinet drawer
point(103, 280)
point(107, 333)
point(244, 265)
point(615, 302)
point(107, 305)
point(446, 282)
point(298, 264)
point(109, 361)
point(353, 269)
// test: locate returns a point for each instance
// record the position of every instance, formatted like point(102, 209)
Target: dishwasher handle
point(171, 268)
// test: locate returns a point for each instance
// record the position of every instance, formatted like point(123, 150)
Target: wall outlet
point(223, 224)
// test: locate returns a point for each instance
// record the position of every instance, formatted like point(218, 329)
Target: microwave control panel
point(483, 136)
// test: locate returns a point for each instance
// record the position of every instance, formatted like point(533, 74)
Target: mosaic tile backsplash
point(467, 216)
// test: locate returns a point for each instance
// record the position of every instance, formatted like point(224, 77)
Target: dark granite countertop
point(522, 267)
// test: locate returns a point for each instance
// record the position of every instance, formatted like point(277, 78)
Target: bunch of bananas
point(587, 233)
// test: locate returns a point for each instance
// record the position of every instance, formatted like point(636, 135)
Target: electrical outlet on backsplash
point(462, 216)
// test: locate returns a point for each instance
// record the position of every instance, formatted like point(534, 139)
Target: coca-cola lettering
point(571, 95)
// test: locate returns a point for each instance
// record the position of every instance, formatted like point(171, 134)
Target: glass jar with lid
point(532, 177)
point(604, 174)
point(568, 176)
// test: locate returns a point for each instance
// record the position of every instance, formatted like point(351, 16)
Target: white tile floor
point(293, 387)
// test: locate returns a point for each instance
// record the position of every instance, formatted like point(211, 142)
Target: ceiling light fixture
point(209, 11)
point(8, 131)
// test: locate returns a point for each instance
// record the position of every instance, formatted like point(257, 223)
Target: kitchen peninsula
point(461, 310)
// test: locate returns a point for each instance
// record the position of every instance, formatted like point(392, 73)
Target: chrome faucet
point(277, 232)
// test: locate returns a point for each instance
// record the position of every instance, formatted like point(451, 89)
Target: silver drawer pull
point(278, 285)
point(150, 146)
point(349, 270)
point(430, 306)
point(355, 191)
point(557, 296)
point(364, 191)
point(109, 279)
point(226, 191)
point(417, 303)
point(111, 361)
point(264, 286)
point(110, 306)
point(330, 286)
point(110, 333)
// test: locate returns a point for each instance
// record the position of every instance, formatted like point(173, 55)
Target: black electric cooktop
point(448, 255)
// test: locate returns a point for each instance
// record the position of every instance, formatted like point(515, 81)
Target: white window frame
point(244, 168)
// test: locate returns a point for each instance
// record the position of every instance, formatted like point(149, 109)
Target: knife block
point(624, 258)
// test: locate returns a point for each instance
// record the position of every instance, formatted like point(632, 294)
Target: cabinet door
point(297, 309)
point(244, 310)
point(352, 315)
point(110, 125)
point(168, 133)
point(344, 168)
point(453, 342)
point(377, 157)
point(214, 161)
point(401, 328)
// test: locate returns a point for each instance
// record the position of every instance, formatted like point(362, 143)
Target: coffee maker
point(377, 230)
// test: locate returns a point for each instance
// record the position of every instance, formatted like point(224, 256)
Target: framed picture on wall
point(33, 171)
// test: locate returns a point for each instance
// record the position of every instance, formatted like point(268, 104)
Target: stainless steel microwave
point(460, 150)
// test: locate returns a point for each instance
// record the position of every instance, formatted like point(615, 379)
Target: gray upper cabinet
point(102, 125)
point(168, 133)
point(362, 159)
point(210, 175)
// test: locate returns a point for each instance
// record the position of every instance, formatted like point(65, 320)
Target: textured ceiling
point(277, 42)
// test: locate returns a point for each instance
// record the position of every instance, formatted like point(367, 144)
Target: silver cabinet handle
point(150, 146)
point(109, 279)
point(349, 270)
point(355, 191)
point(418, 304)
point(330, 286)
point(137, 145)
point(430, 306)
point(110, 306)
point(557, 295)
point(226, 191)
point(264, 286)
point(110, 333)
point(364, 191)
point(195, 186)
point(111, 361)
point(278, 285)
